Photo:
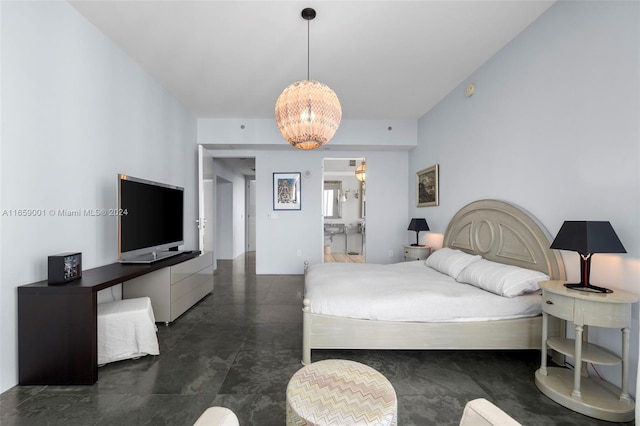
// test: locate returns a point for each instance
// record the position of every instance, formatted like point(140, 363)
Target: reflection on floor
point(239, 347)
point(344, 258)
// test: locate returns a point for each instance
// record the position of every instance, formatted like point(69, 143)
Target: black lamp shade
point(418, 224)
point(588, 237)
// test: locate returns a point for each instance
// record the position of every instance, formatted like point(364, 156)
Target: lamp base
point(585, 271)
point(587, 287)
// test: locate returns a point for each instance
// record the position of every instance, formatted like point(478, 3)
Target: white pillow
point(450, 261)
point(504, 280)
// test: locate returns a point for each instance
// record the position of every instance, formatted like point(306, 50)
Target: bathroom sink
point(334, 228)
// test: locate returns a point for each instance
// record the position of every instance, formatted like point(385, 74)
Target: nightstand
point(573, 388)
point(416, 252)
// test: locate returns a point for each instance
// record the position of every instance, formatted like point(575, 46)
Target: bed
point(495, 230)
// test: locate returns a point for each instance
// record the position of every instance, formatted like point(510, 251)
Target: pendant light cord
point(308, 47)
point(308, 14)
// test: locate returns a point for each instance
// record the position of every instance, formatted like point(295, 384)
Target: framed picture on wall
point(286, 191)
point(427, 187)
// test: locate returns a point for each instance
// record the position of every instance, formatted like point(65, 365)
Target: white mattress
point(407, 291)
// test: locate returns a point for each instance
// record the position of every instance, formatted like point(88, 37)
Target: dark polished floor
point(238, 348)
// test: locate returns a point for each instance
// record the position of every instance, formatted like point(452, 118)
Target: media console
point(57, 324)
point(175, 289)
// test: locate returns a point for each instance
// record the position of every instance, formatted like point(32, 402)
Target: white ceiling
point(384, 59)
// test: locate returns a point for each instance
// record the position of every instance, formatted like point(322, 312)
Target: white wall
point(552, 127)
point(75, 112)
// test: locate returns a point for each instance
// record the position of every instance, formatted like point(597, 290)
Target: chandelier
point(308, 112)
point(361, 171)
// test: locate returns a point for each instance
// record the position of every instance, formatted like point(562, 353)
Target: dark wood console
point(57, 324)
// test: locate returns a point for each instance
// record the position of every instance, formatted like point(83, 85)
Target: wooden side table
point(574, 388)
point(416, 252)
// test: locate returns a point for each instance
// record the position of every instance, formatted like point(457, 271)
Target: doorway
point(226, 221)
point(344, 210)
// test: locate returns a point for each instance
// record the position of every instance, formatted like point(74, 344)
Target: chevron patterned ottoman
point(340, 392)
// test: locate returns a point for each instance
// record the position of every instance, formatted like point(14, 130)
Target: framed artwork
point(286, 191)
point(427, 187)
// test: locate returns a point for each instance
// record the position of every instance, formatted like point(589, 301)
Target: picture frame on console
point(286, 191)
point(427, 187)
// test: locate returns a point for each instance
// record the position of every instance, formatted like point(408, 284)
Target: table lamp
point(418, 224)
point(587, 238)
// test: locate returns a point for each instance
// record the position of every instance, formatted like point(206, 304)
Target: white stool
point(217, 416)
point(126, 329)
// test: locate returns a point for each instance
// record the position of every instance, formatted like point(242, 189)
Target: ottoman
point(340, 392)
point(126, 329)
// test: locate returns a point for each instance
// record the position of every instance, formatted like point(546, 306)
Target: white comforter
point(407, 291)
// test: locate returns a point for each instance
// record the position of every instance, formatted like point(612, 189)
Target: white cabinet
point(174, 289)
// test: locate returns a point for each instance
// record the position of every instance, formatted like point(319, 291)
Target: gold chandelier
point(361, 171)
point(308, 112)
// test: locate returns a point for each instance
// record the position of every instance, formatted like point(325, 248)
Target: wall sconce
point(361, 171)
point(345, 195)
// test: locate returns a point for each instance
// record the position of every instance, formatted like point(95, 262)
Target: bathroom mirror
point(331, 199)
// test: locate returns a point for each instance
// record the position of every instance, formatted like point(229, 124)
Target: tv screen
point(150, 219)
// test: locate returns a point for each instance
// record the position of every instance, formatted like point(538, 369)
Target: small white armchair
point(217, 416)
point(481, 412)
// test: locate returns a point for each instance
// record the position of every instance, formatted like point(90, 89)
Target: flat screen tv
point(150, 220)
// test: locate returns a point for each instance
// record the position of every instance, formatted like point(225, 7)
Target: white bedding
point(407, 291)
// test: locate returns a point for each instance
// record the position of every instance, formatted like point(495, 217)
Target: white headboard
point(502, 232)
